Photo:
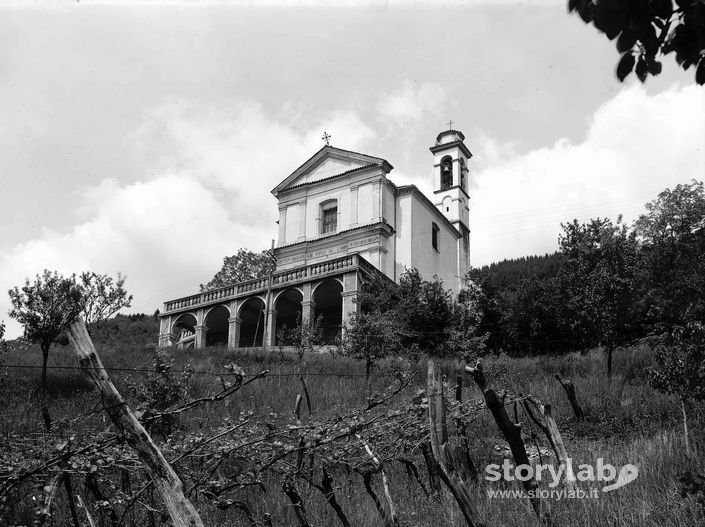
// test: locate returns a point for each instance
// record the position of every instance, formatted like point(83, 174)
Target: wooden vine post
point(572, 399)
point(439, 446)
point(512, 434)
point(180, 509)
point(545, 421)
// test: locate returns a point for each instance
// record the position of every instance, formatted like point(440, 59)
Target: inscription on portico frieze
point(330, 250)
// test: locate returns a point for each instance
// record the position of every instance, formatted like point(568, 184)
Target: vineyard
point(262, 439)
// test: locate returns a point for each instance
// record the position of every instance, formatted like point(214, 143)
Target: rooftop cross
point(450, 125)
point(326, 137)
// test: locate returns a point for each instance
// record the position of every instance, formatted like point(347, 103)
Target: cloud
point(204, 192)
point(412, 102)
point(635, 146)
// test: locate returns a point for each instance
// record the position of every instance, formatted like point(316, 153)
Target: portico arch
point(216, 320)
point(252, 325)
point(329, 307)
point(288, 310)
point(184, 331)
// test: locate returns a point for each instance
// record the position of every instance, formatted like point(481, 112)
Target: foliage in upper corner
point(102, 298)
point(243, 265)
point(646, 30)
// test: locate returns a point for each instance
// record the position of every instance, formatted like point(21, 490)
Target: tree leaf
point(625, 66)
point(654, 67)
point(626, 41)
point(700, 72)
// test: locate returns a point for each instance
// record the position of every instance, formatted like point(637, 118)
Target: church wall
point(364, 204)
point(403, 241)
point(428, 261)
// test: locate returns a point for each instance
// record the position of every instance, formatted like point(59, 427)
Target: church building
point(341, 220)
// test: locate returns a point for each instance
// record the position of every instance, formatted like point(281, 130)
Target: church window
point(462, 173)
point(434, 236)
point(329, 216)
point(446, 172)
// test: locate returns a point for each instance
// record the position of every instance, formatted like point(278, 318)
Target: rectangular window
point(434, 236)
point(330, 220)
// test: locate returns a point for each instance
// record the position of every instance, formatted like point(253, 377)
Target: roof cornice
point(446, 146)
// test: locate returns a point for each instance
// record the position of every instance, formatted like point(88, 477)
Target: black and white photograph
point(355, 263)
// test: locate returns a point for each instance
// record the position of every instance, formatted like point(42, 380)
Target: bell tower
point(450, 179)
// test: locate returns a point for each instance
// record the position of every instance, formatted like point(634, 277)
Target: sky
point(145, 138)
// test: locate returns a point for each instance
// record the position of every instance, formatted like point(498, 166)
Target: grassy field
point(627, 422)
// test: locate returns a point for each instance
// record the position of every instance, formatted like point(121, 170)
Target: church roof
point(355, 159)
point(413, 189)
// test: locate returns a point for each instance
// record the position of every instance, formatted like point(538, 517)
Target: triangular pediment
point(329, 162)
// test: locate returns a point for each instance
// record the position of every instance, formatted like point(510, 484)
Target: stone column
point(353, 206)
point(349, 294)
point(234, 332)
point(308, 306)
point(201, 332)
point(271, 329)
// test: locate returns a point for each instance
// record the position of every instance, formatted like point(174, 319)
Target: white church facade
point(341, 220)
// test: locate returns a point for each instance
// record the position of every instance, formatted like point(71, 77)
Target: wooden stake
point(548, 425)
point(572, 399)
point(180, 509)
point(439, 445)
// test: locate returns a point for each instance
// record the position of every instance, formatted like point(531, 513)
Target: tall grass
point(627, 422)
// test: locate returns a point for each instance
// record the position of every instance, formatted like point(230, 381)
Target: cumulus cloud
point(636, 145)
point(411, 102)
point(205, 192)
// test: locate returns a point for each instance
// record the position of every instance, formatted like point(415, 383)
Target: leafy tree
point(645, 30)
point(681, 357)
point(243, 265)
point(102, 298)
point(412, 316)
point(673, 256)
point(45, 308)
point(601, 276)
point(304, 336)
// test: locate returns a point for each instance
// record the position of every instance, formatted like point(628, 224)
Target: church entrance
point(328, 299)
point(252, 325)
point(217, 323)
point(288, 308)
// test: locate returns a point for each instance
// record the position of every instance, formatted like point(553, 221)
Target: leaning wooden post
point(512, 434)
point(570, 392)
point(548, 425)
point(181, 510)
point(439, 446)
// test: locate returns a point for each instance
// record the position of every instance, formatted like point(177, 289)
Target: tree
point(673, 256)
point(243, 265)
point(681, 357)
point(102, 298)
point(645, 30)
point(601, 277)
point(45, 308)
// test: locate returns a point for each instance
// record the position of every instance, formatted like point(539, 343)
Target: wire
point(147, 370)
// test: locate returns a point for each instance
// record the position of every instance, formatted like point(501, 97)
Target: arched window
point(329, 216)
point(463, 169)
point(446, 172)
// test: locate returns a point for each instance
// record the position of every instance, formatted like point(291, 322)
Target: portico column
point(308, 306)
point(234, 332)
point(201, 331)
point(270, 330)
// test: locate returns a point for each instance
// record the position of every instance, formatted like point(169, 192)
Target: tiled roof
point(334, 176)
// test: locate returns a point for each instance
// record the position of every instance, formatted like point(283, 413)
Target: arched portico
point(216, 323)
point(287, 310)
point(252, 323)
point(183, 331)
point(328, 301)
